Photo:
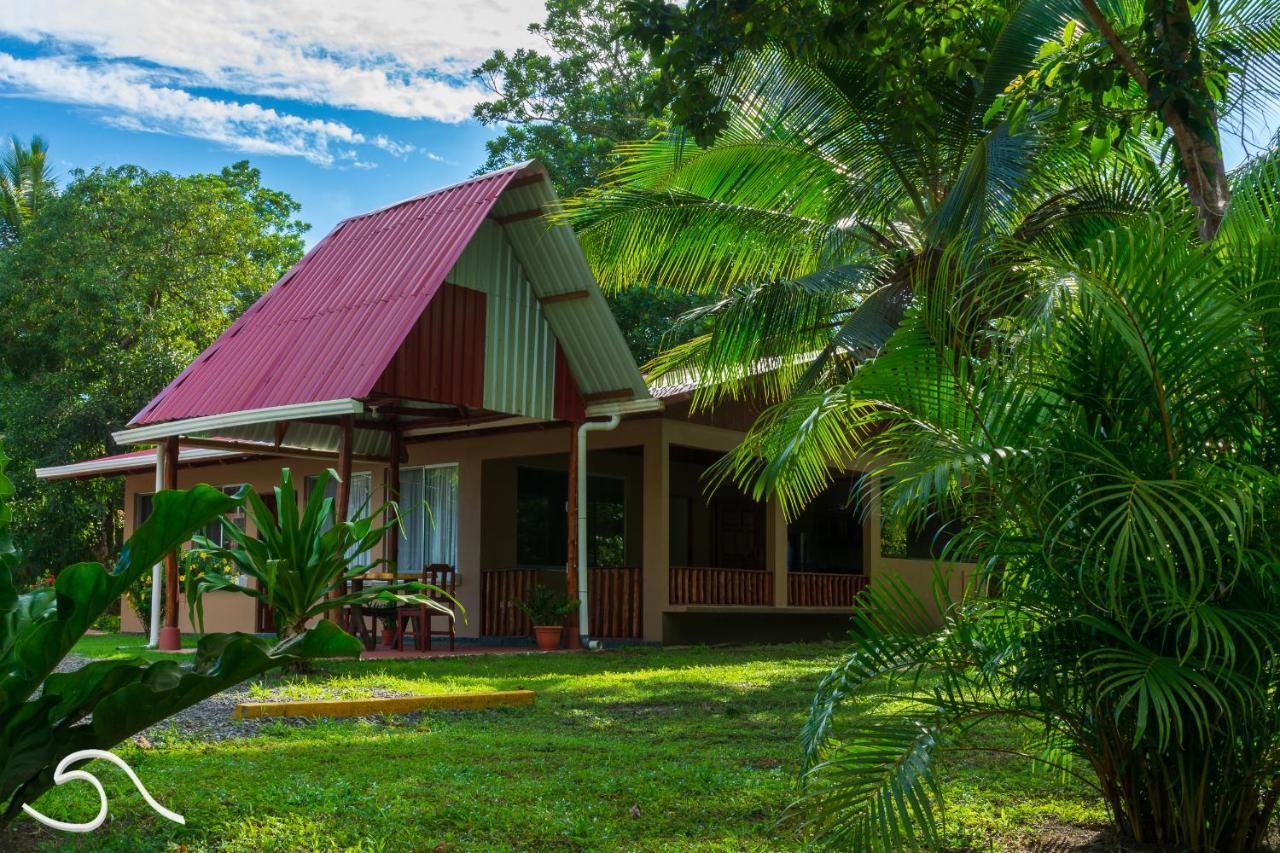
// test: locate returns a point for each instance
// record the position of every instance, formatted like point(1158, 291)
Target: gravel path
point(212, 720)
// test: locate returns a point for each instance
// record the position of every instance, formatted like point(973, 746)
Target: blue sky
point(347, 106)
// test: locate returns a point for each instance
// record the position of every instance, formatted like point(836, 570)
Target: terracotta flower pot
point(548, 636)
point(388, 636)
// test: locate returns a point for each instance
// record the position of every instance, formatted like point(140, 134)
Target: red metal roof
point(330, 326)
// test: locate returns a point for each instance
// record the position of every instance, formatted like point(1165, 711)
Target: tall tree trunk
point(1177, 91)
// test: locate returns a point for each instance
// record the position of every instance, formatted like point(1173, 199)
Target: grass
point(638, 749)
point(102, 646)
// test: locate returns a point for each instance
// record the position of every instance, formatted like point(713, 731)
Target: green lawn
point(702, 742)
point(100, 646)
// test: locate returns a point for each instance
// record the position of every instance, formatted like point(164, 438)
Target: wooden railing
point(701, 585)
point(823, 589)
point(499, 616)
point(614, 601)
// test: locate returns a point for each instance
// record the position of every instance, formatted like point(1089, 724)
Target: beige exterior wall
point(486, 509)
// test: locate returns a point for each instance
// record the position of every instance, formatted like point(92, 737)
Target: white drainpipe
point(157, 571)
point(588, 426)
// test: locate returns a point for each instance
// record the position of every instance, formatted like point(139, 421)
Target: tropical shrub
point(546, 606)
point(1114, 442)
point(47, 715)
point(299, 558)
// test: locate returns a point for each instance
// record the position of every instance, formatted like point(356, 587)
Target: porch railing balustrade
point(614, 603)
point(705, 585)
point(823, 589)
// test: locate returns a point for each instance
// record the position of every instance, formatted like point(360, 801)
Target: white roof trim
point(128, 463)
point(625, 407)
point(213, 423)
point(476, 427)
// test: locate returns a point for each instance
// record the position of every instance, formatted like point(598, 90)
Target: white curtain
point(357, 502)
point(429, 508)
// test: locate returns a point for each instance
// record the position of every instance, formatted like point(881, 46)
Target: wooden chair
point(446, 578)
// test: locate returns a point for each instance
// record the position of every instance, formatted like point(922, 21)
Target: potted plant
point(388, 630)
point(548, 609)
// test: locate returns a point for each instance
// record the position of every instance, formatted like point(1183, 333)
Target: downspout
point(157, 571)
point(587, 426)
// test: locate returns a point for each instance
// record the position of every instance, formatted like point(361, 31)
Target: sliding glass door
point(429, 510)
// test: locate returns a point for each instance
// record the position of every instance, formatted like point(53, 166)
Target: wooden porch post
point(170, 634)
point(346, 428)
point(391, 548)
point(573, 638)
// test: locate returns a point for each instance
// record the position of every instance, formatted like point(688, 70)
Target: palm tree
point(814, 214)
point(1113, 447)
point(26, 185)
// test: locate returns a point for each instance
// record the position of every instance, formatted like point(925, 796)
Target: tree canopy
point(570, 106)
point(116, 284)
point(1170, 69)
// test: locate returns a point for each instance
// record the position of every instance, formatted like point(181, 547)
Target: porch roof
point(133, 462)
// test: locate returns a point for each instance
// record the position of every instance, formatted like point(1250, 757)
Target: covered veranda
point(455, 313)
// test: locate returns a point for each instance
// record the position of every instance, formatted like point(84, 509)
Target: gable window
point(429, 512)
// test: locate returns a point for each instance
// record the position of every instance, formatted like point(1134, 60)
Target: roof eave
point(212, 423)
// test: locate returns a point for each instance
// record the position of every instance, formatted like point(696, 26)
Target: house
point(454, 350)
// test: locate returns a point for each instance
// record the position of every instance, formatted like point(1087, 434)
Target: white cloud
point(129, 99)
point(406, 58)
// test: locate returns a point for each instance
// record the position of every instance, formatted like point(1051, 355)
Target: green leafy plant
point(298, 558)
point(46, 715)
point(546, 606)
point(1114, 447)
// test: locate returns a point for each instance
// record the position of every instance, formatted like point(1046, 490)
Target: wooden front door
point(737, 532)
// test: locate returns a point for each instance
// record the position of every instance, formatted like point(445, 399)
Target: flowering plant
point(194, 562)
point(44, 580)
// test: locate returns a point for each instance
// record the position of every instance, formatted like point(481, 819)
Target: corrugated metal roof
point(554, 261)
point(329, 326)
point(128, 463)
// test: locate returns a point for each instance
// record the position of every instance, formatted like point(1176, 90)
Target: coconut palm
point(1113, 446)
point(26, 184)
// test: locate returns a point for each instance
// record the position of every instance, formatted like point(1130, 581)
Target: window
point(924, 540)
point(429, 511)
point(827, 536)
point(143, 504)
point(357, 499)
point(141, 509)
point(542, 527)
point(213, 531)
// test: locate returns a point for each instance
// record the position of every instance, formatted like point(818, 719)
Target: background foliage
point(120, 280)
point(570, 106)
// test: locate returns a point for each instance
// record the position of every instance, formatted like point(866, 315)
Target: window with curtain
point(357, 500)
point(429, 511)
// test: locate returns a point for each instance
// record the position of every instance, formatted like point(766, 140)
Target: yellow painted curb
point(395, 705)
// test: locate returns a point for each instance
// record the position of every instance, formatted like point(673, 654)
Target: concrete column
point(657, 523)
point(775, 544)
point(470, 540)
point(170, 634)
